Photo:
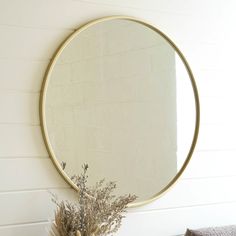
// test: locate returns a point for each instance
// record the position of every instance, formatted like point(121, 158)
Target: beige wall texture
point(31, 30)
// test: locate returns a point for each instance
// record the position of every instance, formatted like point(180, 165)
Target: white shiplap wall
point(30, 31)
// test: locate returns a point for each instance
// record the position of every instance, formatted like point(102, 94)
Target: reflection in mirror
point(119, 98)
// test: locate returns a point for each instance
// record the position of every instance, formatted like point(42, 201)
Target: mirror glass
point(118, 97)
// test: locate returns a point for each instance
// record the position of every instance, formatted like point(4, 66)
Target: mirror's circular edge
point(46, 80)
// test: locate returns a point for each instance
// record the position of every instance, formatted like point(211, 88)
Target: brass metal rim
point(45, 87)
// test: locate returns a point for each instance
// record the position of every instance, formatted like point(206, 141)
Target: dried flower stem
point(97, 213)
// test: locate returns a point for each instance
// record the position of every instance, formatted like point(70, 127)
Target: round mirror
point(120, 96)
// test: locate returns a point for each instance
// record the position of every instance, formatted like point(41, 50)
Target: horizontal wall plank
point(180, 7)
point(175, 221)
point(210, 79)
point(30, 43)
point(23, 107)
point(40, 44)
point(42, 14)
point(211, 164)
point(194, 192)
point(151, 223)
point(66, 15)
point(186, 193)
point(36, 229)
point(41, 173)
point(28, 174)
point(27, 76)
point(28, 141)
point(202, 164)
point(19, 108)
point(212, 106)
point(27, 207)
point(32, 144)
point(214, 137)
point(21, 141)
point(194, 51)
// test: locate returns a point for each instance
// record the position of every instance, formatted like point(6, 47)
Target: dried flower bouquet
point(98, 212)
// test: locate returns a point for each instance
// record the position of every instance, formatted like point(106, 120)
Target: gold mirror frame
point(44, 92)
